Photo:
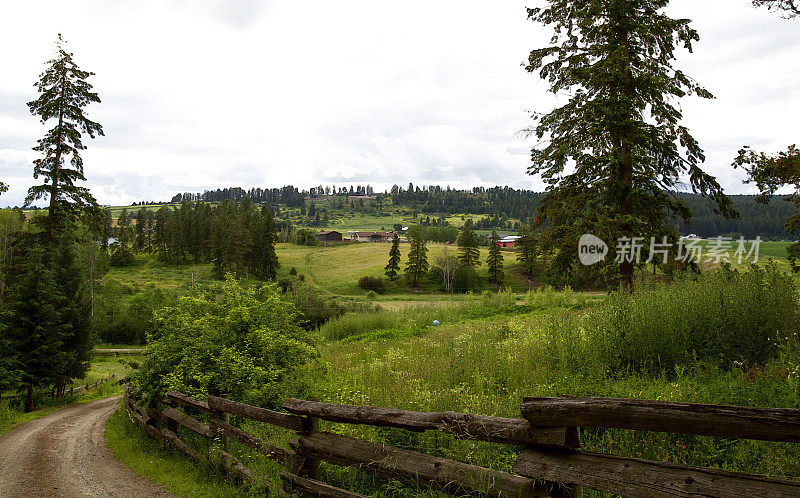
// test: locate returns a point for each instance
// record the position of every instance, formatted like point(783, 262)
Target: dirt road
point(64, 455)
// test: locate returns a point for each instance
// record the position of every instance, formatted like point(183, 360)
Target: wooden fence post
point(225, 417)
point(311, 467)
point(575, 490)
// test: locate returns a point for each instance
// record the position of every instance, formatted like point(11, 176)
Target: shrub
point(239, 341)
point(466, 279)
point(314, 308)
point(372, 284)
point(306, 237)
point(724, 318)
point(548, 297)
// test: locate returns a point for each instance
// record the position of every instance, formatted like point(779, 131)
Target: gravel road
point(64, 455)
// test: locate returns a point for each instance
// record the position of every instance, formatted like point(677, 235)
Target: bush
point(314, 308)
point(372, 284)
point(306, 237)
point(240, 341)
point(547, 297)
point(466, 279)
point(121, 256)
point(724, 318)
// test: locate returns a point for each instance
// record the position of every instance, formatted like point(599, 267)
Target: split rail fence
point(550, 463)
point(74, 389)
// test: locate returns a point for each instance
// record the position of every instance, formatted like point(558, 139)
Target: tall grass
point(726, 318)
point(417, 320)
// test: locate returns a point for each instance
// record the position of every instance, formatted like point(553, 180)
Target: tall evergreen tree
point(64, 92)
point(495, 260)
point(417, 264)
point(621, 127)
point(262, 259)
point(393, 267)
point(468, 252)
point(49, 327)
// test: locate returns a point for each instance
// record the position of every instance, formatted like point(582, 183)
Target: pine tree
point(263, 261)
point(121, 254)
point(64, 92)
point(49, 326)
point(621, 127)
point(468, 252)
point(417, 264)
point(393, 267)
point(495, 260)
point(528, 250)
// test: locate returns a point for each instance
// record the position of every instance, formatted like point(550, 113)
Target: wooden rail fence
point(74, 389)
point(551, 462)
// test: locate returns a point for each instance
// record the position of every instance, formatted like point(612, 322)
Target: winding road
point(64, 455)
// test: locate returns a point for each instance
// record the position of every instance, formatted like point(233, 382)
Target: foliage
point(620, 127)
point(305, 237)
point(393, 267)
point(528, 251)
point(725, 318)
point(11, 222)
point(445, 270)
point(466, 279)
point(49, 338)
point(241, 342)
point(468, 252)
point(771, 173)
point(791, 8)
point(128, 320)
point(64, 92)
point(372, 284)
point(547, 297)
point(314, 308)
point(417, 258)
point(495, 259)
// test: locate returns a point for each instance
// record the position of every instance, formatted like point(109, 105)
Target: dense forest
point(504, 208)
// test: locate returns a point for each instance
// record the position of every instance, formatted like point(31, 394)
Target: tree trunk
point(29, 399)
point(56, 165)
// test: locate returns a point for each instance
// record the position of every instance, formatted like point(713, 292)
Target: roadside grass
point(146, 457)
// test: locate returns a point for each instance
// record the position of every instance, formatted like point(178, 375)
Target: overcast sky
point(204, 94)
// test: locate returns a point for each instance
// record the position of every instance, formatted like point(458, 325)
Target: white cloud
point(212, 93)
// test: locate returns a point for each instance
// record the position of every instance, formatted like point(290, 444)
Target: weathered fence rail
point(550, 463)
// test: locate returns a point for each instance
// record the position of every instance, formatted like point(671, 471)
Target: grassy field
point(337, 269)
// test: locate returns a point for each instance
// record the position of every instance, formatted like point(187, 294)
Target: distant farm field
point(337, 269)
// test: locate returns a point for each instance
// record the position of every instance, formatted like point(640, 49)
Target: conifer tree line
point(506, 209)
point(237, 237)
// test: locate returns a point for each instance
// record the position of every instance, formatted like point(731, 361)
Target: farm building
point(329, 236)
point(372, 236)
point(509, 242)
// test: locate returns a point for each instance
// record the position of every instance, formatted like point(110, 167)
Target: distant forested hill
point(499, 204)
